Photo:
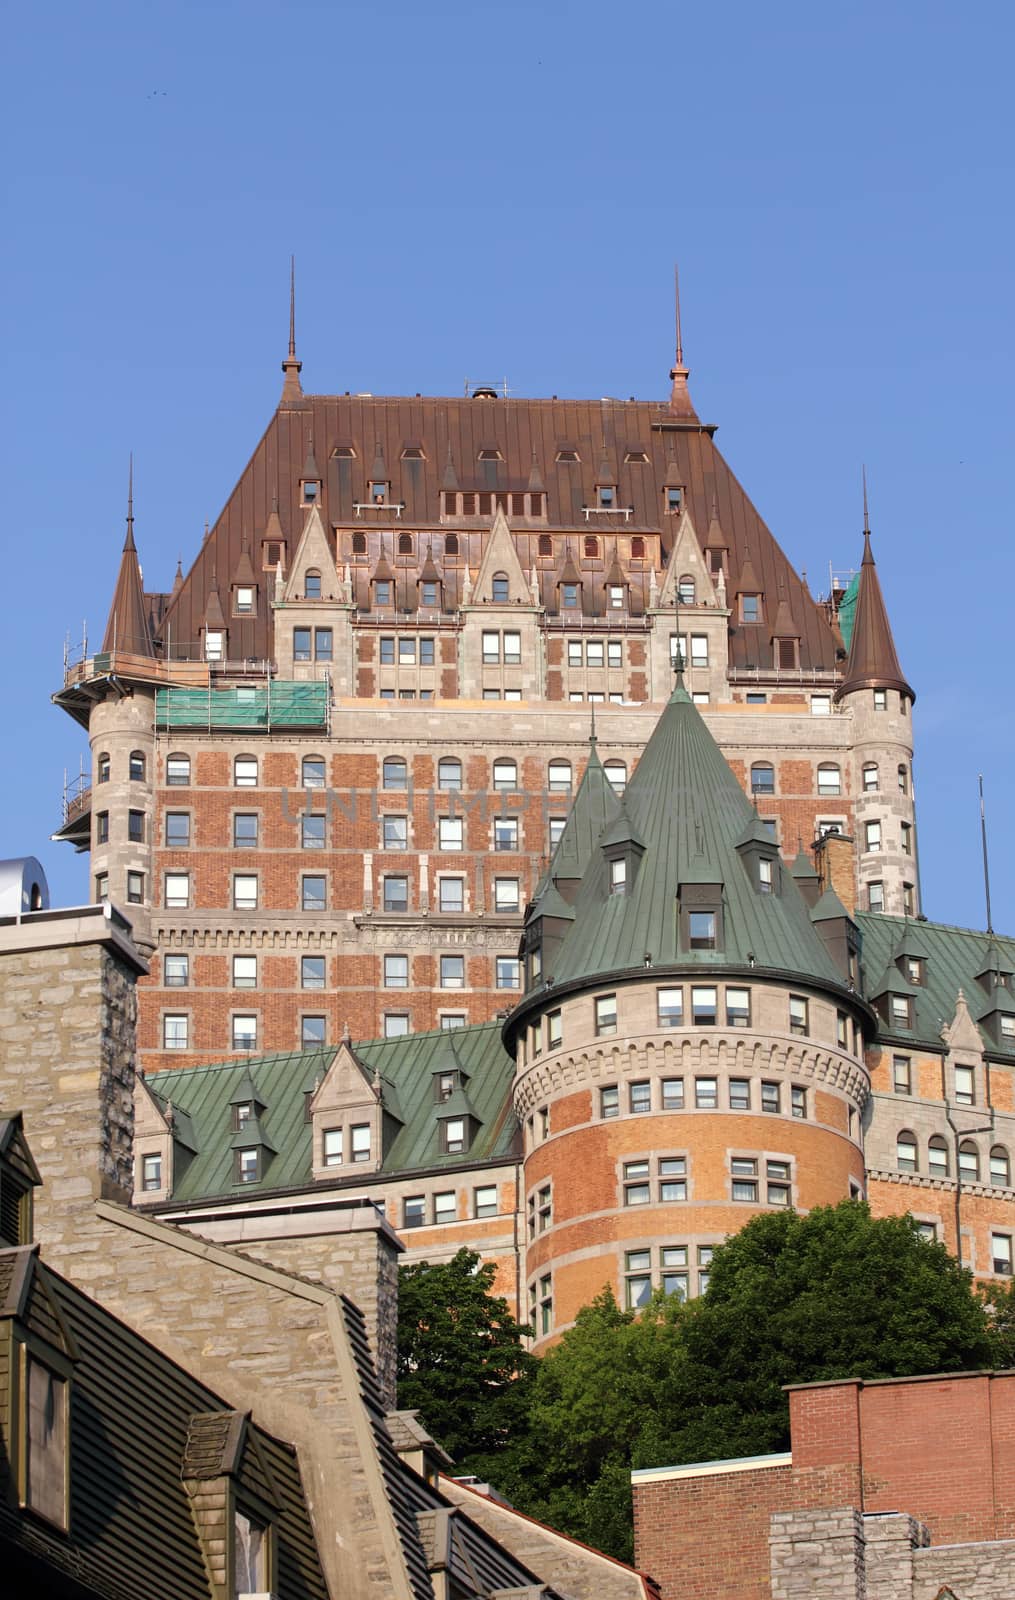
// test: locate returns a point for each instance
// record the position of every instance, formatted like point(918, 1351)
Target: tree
point(792, 1299)
point(461, 1361)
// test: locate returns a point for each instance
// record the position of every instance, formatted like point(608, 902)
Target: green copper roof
point(690, 813)
point(953, 957)
point(595, 805)
point(206, 1096)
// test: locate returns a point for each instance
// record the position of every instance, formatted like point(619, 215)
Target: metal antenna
point(292, 308)
point(986, 867)
point(676, 296)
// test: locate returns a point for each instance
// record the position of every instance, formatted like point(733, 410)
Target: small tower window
point(312, 585)
point(137, 766)
point(500, 588)
point(685, 590)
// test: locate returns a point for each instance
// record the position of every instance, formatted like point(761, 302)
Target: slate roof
point(689, 813)
point(528, 435)
point(953, 957)
point(205, 1095)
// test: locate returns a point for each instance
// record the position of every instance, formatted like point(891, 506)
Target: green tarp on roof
point(276, 705)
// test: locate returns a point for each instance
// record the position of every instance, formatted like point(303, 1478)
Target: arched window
point(591, 546)
point(903, 780)
point(505, 774)
point(762, 778)
point(969, 1162)
point(905, 1151)
point(312, 585)
point(637, 547)
point(870, 777)
point(394, 773)
point(245, 772)
point(405, 544)
point(138, 766)
point(451, 544)
point(616, 773)
point(685, 590)
point(359, 544)
point(102, 767)
point(559, 777)
point(312, 772)
point(500, 588)
point(545, 545)
point(177, 771)
point(1000, 1167)
point(937, 1156)
point(449, 773)
point(829, 778)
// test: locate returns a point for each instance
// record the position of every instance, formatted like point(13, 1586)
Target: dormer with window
point(19, 1176)
point(164, 1144)
point(235, 1502)
point(382, 584)
point(996, 1014)
point(622, 850)
point(429, 585)
point(785, 638)
point(700, 909)
point(456, 1117)
point(35, 1384)
point(251, 1147)
point(310, 480)
point(760, 855)
point(354, 1116)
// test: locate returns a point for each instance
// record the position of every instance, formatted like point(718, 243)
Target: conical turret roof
point(690, 813)
point(872, 662)
point(594, 808)
point(127, 628)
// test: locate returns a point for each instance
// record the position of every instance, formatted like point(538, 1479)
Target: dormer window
point(454, 1135)
point(618, 877)
point(606, 496)
point(567, 456)
point(569, 594)
point(765, 874)
point(243, 600)
point(701, 929)
point(500, 588)
point(378, 492)
point(915, 969)
point(312, 585)
point(750, 608)
point(310, 492)
point(243, 1113)
point(214, 644)
point(686, 590)
point(674, 499)
point(615, 597)
point(901, 1011)
point(382, 592)
point(444, 1086)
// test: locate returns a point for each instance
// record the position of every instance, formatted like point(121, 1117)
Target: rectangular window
point(574, 652)
point(771, 1100)
point(450, 833)
point(706, 1093)
point(301, 644)
point(606, 1013)
point(594, 653)
point(670, 1007)
point(798, 1020)
point(902, 1011)
point(640, 1097)
point(244, 891)
point(699, 650)
point(396, 972)
point(704, 1006)
point(673, 1179)
point(176, 971)
point(738, 1008)
point(151, 1172)
point(609, 1102)
point(45, 1441)
point(637, 1278)
point(744, 1174)
point(396, 1024)
point(452, 972)
point(798, 1101)
point(394, 833)
point(701, 926)
point(901, 1074)
point(673, 1094)
point(312, 1032)
point(484, 1201)
point(102, 886)
point(777, 1183)
point(821, 705)
point(245, 772)
point(1000, 1253)
point(245, 830)
point(312, 974)
point(445, 1207)
point(323, 643)
point(636, 1183)
point(312, 893)
point(880, 699)
point(451, 894)
point(906, 836)
point(396, 894)
point(244, 1031)
point(491, 648)
point(177, 772)
point(244, 972)
point(135, 888)
point(673, 1258)
point(312, 833)
point(872, 836)
point(177, 890)
point(135, 826)
point(505, 894)
point(333, 1147)
point(512, 647)
point(387, 652)
point(505, 833)
point(508, 972)
point(554, 1029)
point(359, 1141)
point(177, 830)
point(740, 1094)
point(175, 1032)
point(965, 1086)
point(407, 652)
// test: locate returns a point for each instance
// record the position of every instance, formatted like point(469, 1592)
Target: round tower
point(880, 703)
point(688, 1051)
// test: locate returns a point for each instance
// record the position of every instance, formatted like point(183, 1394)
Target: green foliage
point(792, 1299)
point(1000, 1303)
point(461, 1362)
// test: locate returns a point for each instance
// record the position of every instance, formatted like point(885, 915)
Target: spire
point(872, 662)
point(292, 389)
point(680, 399)
point(128, 626)
point(178, 580)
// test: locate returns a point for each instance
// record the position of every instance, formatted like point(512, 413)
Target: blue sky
point(477, 190)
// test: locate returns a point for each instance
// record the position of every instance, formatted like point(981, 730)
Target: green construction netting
point(847, 611)
point(278, 705)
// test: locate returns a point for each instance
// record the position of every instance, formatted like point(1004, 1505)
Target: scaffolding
point(278, 704)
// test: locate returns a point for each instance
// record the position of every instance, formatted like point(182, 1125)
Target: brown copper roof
point(127, 628)
point(451, 433)
point(872, 661)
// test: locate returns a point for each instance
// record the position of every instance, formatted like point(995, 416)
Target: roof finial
point(866, 518)
point(128, 543)
point(291, 388)
point(592, 729)
point(680, 399)
point(676, 296)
